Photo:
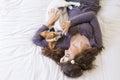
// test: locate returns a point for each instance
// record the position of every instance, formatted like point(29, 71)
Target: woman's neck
point(81, 42)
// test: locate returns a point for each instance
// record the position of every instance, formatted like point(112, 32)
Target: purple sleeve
point(89, 17)
point(97, 32)
point(82, 18)
point(38, 40)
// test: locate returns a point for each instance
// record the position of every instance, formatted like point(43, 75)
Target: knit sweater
point(83, 21)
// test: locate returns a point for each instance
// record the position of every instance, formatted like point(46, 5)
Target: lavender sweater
point(83, 21)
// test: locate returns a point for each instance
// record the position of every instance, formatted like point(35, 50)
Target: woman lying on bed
point(76, 51)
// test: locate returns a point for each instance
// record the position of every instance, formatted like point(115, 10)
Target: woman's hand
point(53, 17)
point(65, 26)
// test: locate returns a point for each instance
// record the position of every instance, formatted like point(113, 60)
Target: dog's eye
point(53, 34)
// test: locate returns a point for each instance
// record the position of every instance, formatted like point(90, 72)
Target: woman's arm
point(53, 17)
point(78, 19)
point(89, 17)
point(97, 32)
point(39, 40)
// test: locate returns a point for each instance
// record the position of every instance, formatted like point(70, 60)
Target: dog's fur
point(61, 6)
point(51, 37)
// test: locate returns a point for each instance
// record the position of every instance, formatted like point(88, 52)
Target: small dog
point(51, 37)
point(61, 6)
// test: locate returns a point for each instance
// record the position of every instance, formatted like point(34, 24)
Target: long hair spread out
point(55, 54)
point(83, 62)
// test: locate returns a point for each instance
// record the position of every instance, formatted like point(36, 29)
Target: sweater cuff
point(45, 27)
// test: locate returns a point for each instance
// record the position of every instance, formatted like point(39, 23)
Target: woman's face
point(70, 54)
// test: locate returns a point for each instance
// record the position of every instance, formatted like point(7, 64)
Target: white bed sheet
point(20, 59)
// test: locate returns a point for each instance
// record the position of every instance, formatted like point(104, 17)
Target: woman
point(82, 27)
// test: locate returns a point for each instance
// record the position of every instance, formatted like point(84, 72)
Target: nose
point(61, 60)
point(66, 51)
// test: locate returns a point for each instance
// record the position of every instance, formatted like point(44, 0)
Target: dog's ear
point(43, 34)
point(52, 45)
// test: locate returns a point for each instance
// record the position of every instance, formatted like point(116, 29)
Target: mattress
point(20, 59)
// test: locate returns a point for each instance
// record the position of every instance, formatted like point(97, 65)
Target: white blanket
point(20, 59)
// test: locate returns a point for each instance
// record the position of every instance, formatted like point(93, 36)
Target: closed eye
point(67, 55)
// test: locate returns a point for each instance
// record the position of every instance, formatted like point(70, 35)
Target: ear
point(43, 34)
point(52, 45)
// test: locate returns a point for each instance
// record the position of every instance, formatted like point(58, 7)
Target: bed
point(20, 59)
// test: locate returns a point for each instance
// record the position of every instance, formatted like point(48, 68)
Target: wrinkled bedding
point(20, 59)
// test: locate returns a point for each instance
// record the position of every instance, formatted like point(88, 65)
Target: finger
point(63, 25)
point(51, 11)
point(54, 11)
point(58, 16)
point(58, 12)
point(65, 32)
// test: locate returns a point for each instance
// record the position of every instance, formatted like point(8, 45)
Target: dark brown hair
point(83, 61)
point(54, 54)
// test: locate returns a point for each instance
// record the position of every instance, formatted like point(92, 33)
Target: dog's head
point(50, 34)
point(51, 37)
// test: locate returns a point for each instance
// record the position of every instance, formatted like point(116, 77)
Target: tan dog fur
point(50, 35)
